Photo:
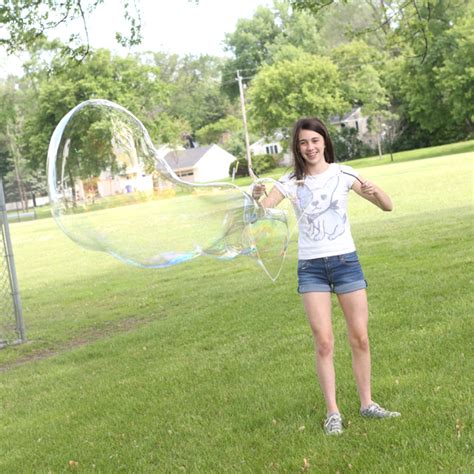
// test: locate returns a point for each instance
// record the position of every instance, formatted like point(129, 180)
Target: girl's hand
point(368, 188)
point(258, 191)
point(372, 193)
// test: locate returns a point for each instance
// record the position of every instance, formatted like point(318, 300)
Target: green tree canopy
point(361, 83)
point(431, 87)
point(194, 88)
point(27, 21)
point(456, 75)
point(213, 132)
point(126, 81)
point(250, 45)
point(257, 41)
point(283, 92)
point(16, 101)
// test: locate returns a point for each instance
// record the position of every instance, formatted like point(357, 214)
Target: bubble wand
point(252, 173)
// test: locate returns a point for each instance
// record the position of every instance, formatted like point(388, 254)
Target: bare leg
point(356, 311)
point(318, 311)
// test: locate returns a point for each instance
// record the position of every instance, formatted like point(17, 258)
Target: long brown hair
point(316, 125)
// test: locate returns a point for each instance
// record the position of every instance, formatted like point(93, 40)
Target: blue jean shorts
point(336, 274)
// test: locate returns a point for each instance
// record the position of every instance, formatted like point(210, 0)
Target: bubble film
point(111, 191)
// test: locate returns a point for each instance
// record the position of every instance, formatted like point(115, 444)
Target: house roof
point(275, 138)
point(180, 159)
point(338, 119)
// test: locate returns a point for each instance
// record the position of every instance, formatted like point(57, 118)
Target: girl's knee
point(359, 342)
point(325, 347)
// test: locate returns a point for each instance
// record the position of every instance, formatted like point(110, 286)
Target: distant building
point(271, 146)
point(354, 119)
point(265, 146)
point(201, 164)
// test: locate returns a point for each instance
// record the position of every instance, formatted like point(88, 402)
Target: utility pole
point(246, 133)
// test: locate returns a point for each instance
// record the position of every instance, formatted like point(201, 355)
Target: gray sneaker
point(333, 424)
point(374, 410)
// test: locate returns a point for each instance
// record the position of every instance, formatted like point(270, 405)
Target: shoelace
point(333, 423)
point(376, 409)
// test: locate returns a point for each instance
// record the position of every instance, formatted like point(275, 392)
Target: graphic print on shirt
point(321, 211)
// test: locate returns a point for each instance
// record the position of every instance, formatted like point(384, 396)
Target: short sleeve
point(350, 175)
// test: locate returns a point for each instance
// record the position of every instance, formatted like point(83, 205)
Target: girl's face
point(311, 145)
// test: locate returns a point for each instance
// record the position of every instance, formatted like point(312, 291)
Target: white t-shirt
point(321, 207)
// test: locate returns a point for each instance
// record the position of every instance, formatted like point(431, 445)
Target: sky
point(171, 26)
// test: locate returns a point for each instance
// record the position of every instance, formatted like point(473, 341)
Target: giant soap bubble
point(111, 191)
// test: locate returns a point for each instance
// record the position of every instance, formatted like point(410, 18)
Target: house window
point(271, 149)
point(182, 174)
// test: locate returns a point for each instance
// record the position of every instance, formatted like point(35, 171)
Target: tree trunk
point(469, 126)
point(379, 146)
point(15, 153)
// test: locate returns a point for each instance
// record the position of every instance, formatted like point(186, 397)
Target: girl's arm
point(373, 193)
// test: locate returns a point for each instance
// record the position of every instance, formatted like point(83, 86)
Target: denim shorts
point(336, 274)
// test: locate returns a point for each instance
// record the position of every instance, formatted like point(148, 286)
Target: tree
point(5, 163)
point(406, 24)
point(386, 127)
point(431, 94)
point(456, 75)
point(285, 91)
point(11, 125)
point(342, 22)
point(250, 45)
point(215, 132)
point(297, 29)
point(359, 66)
point(123, 80)
point(27, 21)
point(347, 145)
point(258, 41)
point(195, 94)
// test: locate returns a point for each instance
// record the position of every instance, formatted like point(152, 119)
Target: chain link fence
point(24, 201)
point(12, 330)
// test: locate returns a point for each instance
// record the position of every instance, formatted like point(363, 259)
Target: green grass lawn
point(208, 366)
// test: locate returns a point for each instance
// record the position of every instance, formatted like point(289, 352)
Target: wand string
point(354, 176)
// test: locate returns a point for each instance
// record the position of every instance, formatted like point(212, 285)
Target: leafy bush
point(260, 164)
point(347, 145)
point(263, 163)
point(241, 166)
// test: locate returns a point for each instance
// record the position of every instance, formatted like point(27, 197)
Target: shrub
point(347, 145)
point(260, 164)
point(242, 167)
point(263, 163)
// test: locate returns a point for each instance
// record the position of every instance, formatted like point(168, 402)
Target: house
point(271, 146)
point(266, 146)
point(353, 119)
point(201, 164)
point(209, 163)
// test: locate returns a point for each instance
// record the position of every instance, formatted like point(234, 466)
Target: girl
point(327, 258)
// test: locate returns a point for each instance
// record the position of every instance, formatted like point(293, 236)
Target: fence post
point(20, 328)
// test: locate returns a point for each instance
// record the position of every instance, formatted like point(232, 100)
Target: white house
point(270, 146)
point(265, 146)
point(209, 163)
point(201, 164)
